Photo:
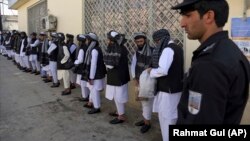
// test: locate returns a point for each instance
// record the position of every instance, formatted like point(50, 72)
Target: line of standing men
point(87, 65)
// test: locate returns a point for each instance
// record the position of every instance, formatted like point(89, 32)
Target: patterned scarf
point(45, 46)
point(158, 50)
point(146, 50)
point(88, 53)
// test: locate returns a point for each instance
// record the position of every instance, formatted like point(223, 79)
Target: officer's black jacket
point(219, 77)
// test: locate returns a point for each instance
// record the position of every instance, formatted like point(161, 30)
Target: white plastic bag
point(147, 85)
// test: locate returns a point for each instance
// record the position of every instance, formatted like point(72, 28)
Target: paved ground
point(32, 111)
point(246, 116)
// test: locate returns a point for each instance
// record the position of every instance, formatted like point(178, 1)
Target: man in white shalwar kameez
point(141, 60)
point(53, 52)
point(79, 66)
point(2, 47)
point(95, 71)
point(7, 44)
point(63, 57)
point(167, 68)
point(44, 57)
point(23, 56)
point(72, 49)
point(36, 66)
point(118, 77)
point(16, 48)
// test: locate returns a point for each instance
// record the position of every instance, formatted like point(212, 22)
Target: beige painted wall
point(23, 15)
point(236, 10)
point(69, 15)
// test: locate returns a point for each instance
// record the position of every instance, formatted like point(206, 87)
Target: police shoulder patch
point(194, 102)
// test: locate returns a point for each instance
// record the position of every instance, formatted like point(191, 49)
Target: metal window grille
point(35, 15)
point(129, 16)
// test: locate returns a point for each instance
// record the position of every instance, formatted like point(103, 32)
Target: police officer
point(217, 84)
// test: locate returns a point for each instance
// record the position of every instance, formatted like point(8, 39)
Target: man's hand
point(149, 70)
point(136, 98)
point(91, 82)
point(136, 82)
point(136, 93)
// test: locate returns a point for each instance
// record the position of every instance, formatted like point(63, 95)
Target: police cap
point(187, 3)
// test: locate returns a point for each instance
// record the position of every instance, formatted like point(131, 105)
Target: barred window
point(35, 15)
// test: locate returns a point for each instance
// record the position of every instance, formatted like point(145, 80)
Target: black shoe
point(83, 99)
point(55, 85)
point(47, 80)
point(37, 73)
point(42, 76)
point(94, 111)
point(113, 114)
point(66, 92)
point(140, 123)
point(145, 128)
point(26, 70)
point(88, 106)
point(116, 121)
point(72, 86)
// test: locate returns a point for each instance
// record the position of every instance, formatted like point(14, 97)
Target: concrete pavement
point(32, 111)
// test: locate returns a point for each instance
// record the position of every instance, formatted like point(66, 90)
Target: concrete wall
point(236, 10)
point(69, 15)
